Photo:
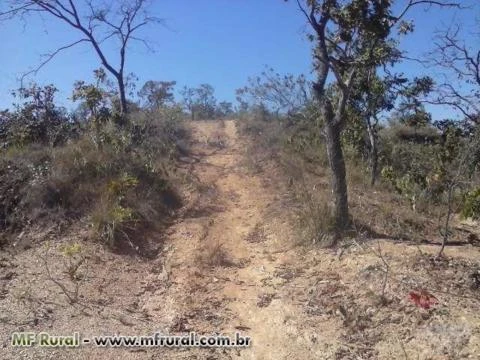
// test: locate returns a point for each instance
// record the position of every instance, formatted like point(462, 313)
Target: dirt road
point(227, 263)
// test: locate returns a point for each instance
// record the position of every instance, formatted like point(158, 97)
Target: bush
point(36, 120)
point(117, 177)
point(471, 204)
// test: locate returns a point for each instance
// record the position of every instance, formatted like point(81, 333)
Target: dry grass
point(377, 212)
point(115, 180)
point(214, 255)
point(314, 215)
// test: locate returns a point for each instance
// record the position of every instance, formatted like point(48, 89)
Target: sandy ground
point(230, 264)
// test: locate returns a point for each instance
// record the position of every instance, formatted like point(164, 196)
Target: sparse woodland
point(349, 210)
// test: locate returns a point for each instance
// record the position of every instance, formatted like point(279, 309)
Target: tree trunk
point(372, 136)
point(337, 166)
point(123, 97)
point(451, 187)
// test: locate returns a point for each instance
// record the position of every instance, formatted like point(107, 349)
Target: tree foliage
point(200, 101)
point(349, 37)
point(36, 119)
point(286, 94)
point(157, 94)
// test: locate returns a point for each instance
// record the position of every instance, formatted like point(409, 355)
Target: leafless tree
point(459, 60)
point(96, 22)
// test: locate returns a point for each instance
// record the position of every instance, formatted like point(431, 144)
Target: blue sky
point(221, 42)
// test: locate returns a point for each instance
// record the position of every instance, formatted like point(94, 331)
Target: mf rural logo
point(26, 339)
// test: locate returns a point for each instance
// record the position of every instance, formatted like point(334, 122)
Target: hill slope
point(230, 264)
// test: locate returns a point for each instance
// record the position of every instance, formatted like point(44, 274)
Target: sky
point(220, 42)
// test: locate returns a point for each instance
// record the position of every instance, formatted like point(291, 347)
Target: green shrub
point(111, 223)
point(36, 120)
point(471, 204)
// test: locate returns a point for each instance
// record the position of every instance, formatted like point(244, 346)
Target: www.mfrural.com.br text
point(44, 339)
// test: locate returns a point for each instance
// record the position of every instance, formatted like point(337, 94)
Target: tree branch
point(412, 3)
point(49, 57)
point(128, 23)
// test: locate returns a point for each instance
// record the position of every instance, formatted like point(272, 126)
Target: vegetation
point(380, 120)
point(202, 104)
point(357, 110)
point(349, 38)
point(56, 167)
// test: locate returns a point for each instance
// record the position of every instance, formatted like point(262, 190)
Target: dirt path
point(225, 261)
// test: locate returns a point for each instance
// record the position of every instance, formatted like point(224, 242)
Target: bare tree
point(95, 22)
point(280, 93)
point(349, 36)
point(460, 61)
